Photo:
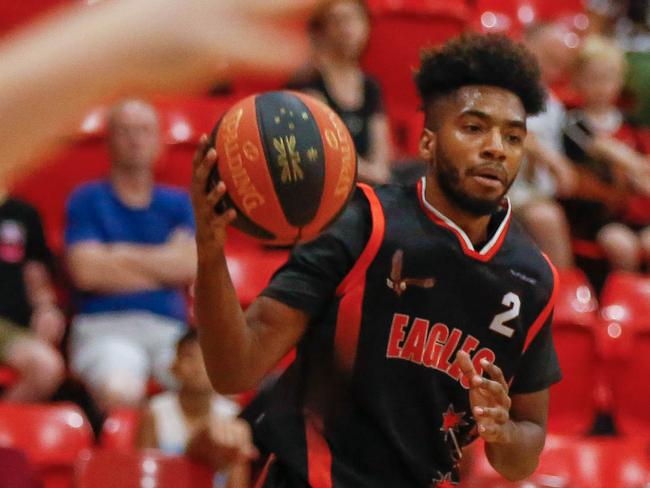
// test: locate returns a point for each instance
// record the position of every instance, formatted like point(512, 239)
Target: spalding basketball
point(288, 163)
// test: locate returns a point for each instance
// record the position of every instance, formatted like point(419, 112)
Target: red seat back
point(572, 462)
point(102, 468)
point(16, 471)
point(399, 31)
point(626, 313)
point(120, 429)
point(51, 435)
point(251, 265)
point(571, 405)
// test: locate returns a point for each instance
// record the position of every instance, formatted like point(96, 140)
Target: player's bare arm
point(239, 348)
point(513, 427)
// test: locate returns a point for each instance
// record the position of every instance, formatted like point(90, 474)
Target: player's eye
point(473, 128)
point(514, 139)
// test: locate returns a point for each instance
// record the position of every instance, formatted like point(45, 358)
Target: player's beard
point(449, 182)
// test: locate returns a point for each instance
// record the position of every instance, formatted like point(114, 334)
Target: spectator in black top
point(339, 33)
point(31, 325)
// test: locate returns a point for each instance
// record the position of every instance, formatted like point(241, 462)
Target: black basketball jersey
point(394, 289)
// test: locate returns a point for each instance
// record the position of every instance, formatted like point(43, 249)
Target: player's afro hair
point(481, 59)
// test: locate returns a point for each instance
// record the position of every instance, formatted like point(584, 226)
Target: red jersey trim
point(492, 246)
point(376, 237)
point(319, 458)
point(351, 289)
point(265, 472)
point(546, 311)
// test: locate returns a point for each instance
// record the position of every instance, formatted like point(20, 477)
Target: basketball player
point(422, 317)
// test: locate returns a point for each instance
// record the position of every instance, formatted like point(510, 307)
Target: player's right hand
point(222, 444)
point(210, 225)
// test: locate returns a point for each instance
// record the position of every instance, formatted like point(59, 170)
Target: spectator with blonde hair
point(611, 203)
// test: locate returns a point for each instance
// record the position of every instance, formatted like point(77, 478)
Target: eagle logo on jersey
point(398, 284)
point(452, 421)
point(443, 481)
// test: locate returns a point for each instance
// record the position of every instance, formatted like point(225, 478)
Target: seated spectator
point(339, 32)
point(546, 171)
point(614, 178)
point(198, 421)
point(31, 324)
point(130, 252)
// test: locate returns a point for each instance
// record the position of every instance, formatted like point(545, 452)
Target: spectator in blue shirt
point(130, 251)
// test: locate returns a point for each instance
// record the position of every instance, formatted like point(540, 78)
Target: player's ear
point(427, 146)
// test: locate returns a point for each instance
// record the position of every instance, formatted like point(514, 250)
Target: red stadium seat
point(572, 462)
point(8, 376)
point(392, 58)
point(572, 405)
point(626, 312)
point(48, 188)
point(16, 471)
point(104, 468)
point(120, 429)
point(51, 435)
point(251, 265)
point(14, 14)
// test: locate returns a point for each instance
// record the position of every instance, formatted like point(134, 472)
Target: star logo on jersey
point(399, 284)
point(443, 481)
point(452, 421)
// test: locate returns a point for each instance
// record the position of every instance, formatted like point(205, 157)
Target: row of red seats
point(604, 352)
point(58, 443)
point(569, 462)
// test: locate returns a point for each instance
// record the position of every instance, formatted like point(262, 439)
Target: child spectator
point(197, 421)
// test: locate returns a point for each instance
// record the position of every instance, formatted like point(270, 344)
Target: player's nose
point(493, 149)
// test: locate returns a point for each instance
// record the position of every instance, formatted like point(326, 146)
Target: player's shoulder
point(526, 260)
point(365, 205)
point(392, 193)
point(356, 216)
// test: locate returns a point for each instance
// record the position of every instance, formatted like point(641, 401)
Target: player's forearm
point(223, 333)
point(517, 459)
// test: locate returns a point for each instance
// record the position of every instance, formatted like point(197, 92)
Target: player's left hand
point(488, 399)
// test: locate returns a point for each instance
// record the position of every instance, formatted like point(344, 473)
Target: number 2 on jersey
point(513, 303)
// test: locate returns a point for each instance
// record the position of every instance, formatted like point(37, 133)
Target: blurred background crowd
point(97, 256)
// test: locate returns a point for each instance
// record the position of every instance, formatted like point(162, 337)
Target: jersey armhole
point(372, 246)
point(546, 311)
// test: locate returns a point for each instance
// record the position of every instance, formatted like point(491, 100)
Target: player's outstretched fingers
point(491, 432)
point(202, 162)
point(200, 152)
point(497, 391)
point(497, 414)
point(494, 372)
point(465, 364)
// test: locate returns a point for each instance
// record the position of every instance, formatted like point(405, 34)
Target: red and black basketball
point(289, 165)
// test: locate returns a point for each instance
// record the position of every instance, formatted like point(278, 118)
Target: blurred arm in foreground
point(55, 70)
